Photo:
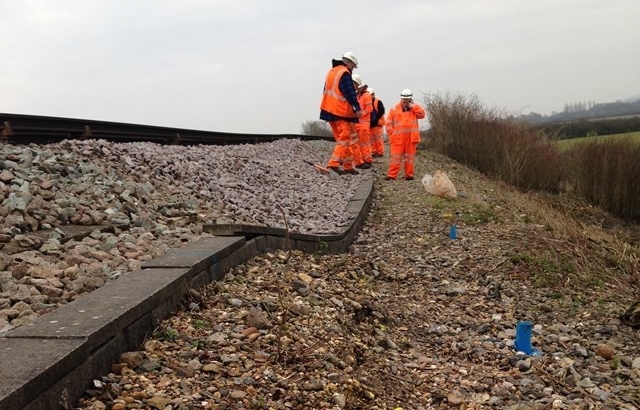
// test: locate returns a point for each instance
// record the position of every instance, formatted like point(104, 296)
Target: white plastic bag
point(440, 185)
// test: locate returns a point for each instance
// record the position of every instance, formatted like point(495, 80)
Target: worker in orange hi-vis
point(404, 135)
point(341, 109)
point(377, 124)
point(365, 161)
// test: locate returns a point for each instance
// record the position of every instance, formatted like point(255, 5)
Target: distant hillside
point(587, 111)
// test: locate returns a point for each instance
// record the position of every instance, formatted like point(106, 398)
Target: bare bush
point(470, 133)
point(316, 128)
point(451, 119)
point(607, 174)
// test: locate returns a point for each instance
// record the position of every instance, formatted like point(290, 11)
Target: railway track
point(26, 129)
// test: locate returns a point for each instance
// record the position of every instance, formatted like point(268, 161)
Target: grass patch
point(480, 214)
point(471, 214)
point(593, 281)
point(440, 204)
point(545, 271)
point(167, 334)
point(200, 324)
point(568, 144)
point(518, 259)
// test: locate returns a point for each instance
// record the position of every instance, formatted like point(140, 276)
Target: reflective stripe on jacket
point(403, 124)
point(333, 100)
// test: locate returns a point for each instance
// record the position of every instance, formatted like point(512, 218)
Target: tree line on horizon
point(587, 110)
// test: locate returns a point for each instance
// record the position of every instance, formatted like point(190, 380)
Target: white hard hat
point(371, 90)
point(351, 57)
point(357, 79)
point(406, 94)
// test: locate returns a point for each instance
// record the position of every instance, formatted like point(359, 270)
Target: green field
point(569, 143)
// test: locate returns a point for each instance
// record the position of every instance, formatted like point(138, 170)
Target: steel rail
point(20, 129)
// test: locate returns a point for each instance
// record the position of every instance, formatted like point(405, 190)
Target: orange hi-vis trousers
point(377, 143)
point(343, 132)
point(402, 150)
point(364, 140)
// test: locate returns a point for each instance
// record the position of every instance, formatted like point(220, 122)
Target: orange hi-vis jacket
point(401, 124)
point(366, 105)
point(332, 99)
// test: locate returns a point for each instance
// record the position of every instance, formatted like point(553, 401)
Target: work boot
point(351, 171)
point(366, 165)
point(409, 178)
point(337, 170)
point(388, 178)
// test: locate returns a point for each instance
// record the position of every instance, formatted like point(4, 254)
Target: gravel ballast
point(407, 319)
point(76, 214)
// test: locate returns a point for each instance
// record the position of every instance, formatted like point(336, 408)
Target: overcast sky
point(259, 66)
